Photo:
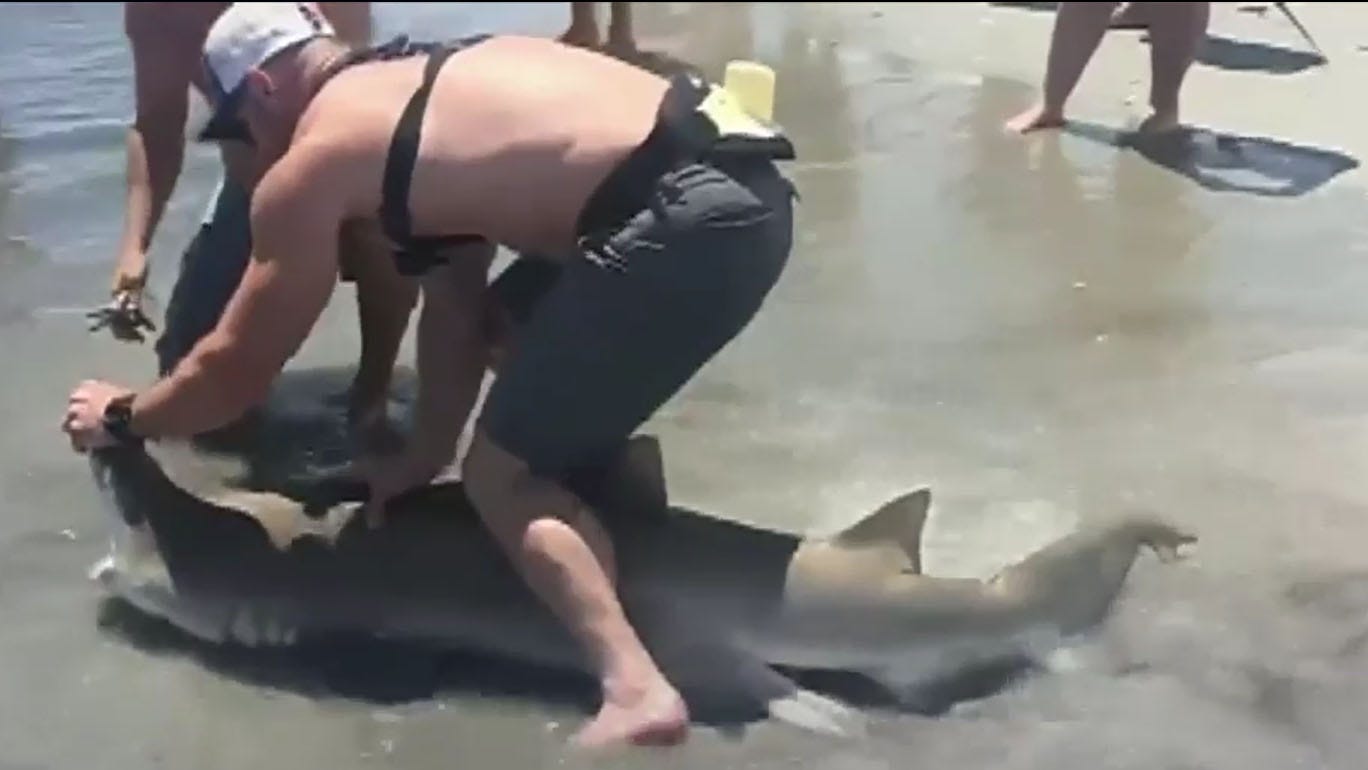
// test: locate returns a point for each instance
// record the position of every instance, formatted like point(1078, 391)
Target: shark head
point(132, 544)
point(183, 541)
point(128, 480)
point(173, 539)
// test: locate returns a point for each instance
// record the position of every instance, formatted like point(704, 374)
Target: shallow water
point(1043, 331)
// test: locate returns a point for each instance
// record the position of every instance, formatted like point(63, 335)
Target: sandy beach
point(1045, 330)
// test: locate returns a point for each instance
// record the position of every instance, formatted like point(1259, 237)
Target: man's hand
point(388, 476)
point(123, 315)
point(84, 421)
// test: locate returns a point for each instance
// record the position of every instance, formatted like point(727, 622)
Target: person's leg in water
point(384, 301)
point(1176, 31)
point(583, 30)
point(621, 37)
point(604, 349)
point(1078, 30)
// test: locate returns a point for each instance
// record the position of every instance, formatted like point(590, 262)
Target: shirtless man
point(665, 210)
point(166, 41)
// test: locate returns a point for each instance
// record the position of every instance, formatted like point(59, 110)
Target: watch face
point(116, 420)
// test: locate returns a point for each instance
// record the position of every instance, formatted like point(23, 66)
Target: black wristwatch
point(118, 421)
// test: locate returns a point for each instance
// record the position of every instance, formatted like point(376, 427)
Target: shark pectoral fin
point(898, 522)
point(719, 676)
point(746, 681)
point(727, 680)
point(816, 713)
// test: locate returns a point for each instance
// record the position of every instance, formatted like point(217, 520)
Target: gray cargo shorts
point(626, 325)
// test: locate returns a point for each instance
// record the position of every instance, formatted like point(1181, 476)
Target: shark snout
point(1163, 537)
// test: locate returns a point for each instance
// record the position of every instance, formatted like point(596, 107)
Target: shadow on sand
point(362, 668)
point(379, 672)
point(1243, 56)
point(1222, 162)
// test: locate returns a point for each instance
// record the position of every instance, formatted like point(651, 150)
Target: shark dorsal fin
point(637, 482)
point(898, 522)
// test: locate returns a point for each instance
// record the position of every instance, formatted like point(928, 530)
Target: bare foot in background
point(1159, 123)
point(1078, 29)
point(1034, 119)
point(583, 30)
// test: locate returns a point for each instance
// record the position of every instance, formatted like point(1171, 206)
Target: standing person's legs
point(621, 37)
point(583, 30)
point(613, 340)
point(1176, 31)
point(1078, 29)
point(210, 270)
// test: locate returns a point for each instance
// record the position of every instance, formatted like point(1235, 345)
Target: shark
point(730, 610)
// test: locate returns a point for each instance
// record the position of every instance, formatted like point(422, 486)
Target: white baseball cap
point(247, 36)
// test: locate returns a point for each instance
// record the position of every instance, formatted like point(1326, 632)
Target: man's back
point(517, 135)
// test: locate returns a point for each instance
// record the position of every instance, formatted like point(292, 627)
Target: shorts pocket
point(709, 198)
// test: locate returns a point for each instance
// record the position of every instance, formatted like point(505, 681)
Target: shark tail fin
point(898, 522)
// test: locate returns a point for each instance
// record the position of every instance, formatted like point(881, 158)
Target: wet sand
point(1045, 330)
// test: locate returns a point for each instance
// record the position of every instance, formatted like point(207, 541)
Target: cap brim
point(223, 123)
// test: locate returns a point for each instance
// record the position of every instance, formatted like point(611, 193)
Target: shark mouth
point(134, 571)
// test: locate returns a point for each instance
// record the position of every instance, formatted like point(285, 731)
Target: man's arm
point(155, 142)
point(451, 354)
point(297, 212)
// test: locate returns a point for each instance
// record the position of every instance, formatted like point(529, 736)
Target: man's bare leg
point(1078, 30)
point(583, 30)
point(1176, 30)
point(562, 552)
point(621, 38)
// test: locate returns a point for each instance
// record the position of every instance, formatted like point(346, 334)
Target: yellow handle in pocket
point(752, 85)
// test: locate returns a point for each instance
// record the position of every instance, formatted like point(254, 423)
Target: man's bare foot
point(1159, 122)
point(655, 716)
point(1036, 118)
